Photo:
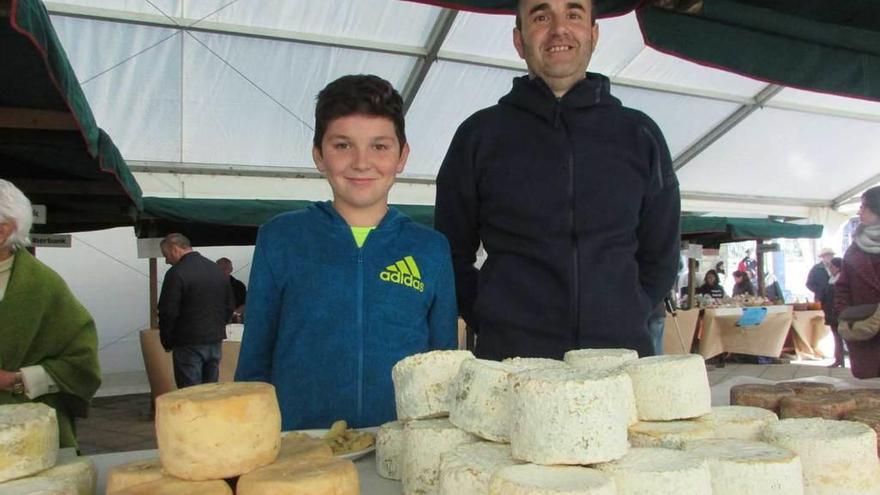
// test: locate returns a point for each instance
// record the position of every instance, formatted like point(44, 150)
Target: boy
point(343, 290)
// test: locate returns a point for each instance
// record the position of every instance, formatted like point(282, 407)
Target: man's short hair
point(15, 207)
point(224, 260)
point(176, 239)
point(358, 94)
point(519, 17)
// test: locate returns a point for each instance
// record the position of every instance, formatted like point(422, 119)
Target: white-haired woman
point(48, 341)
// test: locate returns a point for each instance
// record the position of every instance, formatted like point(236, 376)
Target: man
point(573, 197)
point(817, 279)
point(195, 304)
point(239, 291)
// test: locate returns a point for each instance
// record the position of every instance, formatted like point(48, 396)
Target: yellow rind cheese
point(323, 476)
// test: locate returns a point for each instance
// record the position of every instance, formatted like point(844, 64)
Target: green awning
point(229, 222)
point(817, 45)
point(712, 231)
point(50, 145)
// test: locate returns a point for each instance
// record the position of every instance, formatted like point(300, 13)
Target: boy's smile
point(361, 156)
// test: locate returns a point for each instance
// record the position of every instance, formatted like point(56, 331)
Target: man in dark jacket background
point(194, 306)
point(572, 195)
point(820, 274)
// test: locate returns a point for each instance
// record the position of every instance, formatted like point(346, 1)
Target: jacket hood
point(324, 210)
point(533, 95)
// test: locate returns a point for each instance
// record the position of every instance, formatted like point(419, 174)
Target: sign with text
point(695, 251)
point(149, 248)
point(39, 214)
point(51, 240)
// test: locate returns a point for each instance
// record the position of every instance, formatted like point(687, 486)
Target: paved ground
point(123, 423)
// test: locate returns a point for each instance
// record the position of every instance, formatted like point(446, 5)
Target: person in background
point(743, 285)
point(195, 304)
point(720, 272)
point(817, 279)
point(859, 282)
point(48, 340)
point(748, 265)
point(831, 314)
point(239, 291)
point(711, 286)
point(344, 289)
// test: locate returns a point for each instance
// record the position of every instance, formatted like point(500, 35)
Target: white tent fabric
point(230, 85)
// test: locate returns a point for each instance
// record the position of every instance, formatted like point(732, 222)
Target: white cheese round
point(421, 383)
point(530, 363)
point(480, 399)
point(327, 475)
point(218, 430)
point(531, 479)
point(670, 387)
point(668, 434)
point(742, 422)
point(658, 472)
point(134, 473)
point(424, 442)
point(746, 467)
point(838, 457)
point(567, 416)
point(79, 471)
point(38, 486)
point(600, 359)
point(389, 450)
point(28, 439)
point(467, 469)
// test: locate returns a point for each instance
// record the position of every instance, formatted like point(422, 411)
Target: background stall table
point(687, 324)
point(808, 329)
point(721, 334)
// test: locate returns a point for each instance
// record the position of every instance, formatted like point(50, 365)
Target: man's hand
point(7, 380)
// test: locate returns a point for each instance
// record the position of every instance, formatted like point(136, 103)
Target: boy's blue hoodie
point(326, 320)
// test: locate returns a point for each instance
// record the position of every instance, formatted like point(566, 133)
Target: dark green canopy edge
point(78, 174)
point(712, 231)
point(817, 45)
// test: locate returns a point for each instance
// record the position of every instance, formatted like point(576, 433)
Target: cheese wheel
point(658, 472)
point(531, 479)
point(869, 417)
point(669, 434)
point(742, 422)
point(864, 397)
point(38, 486)
point(670, 387)
point(28, 439)
point(530, 363)
point(174, 486)
point(321, 476)
point(134, 473)
point(79, 471)
point(389, 450)
point(218, 430)
point(424, 442)
point(838, 457)
point(467, 469)
point(421, 383)
point(759, 395)
point(567, 416)
point(808, 388)
point(599, 359)
point(747, 467)
point(480, 399)
point(302, 446)
point(828, 406)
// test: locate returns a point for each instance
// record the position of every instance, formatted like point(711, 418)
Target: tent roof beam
point(420, 71)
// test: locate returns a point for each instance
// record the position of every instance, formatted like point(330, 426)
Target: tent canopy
point(712, 231)
point(50, 146)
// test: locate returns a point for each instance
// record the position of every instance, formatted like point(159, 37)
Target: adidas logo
point(404, 272)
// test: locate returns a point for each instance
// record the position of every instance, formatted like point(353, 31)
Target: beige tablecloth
point(720, 333)
point(809, 328)
point(687, 325)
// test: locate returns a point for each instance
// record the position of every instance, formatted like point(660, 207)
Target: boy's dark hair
point(519, 17)
point(358, 94)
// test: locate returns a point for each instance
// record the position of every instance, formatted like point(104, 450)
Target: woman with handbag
point(857, 290)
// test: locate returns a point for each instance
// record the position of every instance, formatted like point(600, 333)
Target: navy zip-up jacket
point(577, 206)
point(326, 320)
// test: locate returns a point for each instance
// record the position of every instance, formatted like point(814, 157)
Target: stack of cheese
point(222, 431)
point(29, 451)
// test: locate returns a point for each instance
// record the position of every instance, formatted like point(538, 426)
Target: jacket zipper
point(575, 296)
point(360, 326)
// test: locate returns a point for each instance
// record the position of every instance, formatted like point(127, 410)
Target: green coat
point(42, 323)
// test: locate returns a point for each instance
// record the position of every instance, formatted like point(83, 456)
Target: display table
point(721, 334)
point(808, 328)
point(371, 482)
point(687, 324)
